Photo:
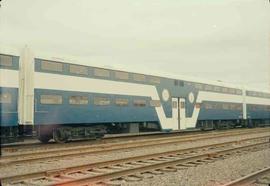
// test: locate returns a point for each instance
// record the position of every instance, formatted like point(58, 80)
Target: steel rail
point(17, 147)
point(249, 179)
point(74, 152)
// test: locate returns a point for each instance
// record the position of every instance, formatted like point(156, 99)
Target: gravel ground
point(87, 159)
point(212, 174)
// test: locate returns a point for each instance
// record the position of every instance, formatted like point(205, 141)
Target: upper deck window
point(101, 72)
point(232, 91)
point(153, 79)
point(5, 98)
point(208, 87)
point(225, 90)
point(239, 92)
point(217, 89)
point(5, 60)
point(52, 66)
point(176, 82)
point(181, 83)
point(77, 69)
point(198, 86)
point(51, 99)
point(121, 75)
point(139, 77)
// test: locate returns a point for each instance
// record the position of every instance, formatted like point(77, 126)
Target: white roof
point(146, 71)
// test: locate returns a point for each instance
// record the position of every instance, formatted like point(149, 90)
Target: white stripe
point(9, 78)
point(211, 96)
point(257, 101)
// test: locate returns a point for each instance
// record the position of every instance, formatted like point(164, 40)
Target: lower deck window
point(51, 99)
point(101, 101)
point(121, 102)
point(155, 103)
point(5, 98)
point(139, 103)
point(78, 100)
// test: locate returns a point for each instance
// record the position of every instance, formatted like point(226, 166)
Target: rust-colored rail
point(251, 178)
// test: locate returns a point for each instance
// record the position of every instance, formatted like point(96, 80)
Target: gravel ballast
point(212, 174)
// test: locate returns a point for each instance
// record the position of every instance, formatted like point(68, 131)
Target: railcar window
point(51, 99)
point(175, 82)
point(5, 98)
point(198, 105)
point(5, 60)
point(232, 91)
point(225, 90)
point(208, 87)
point(139, 77)
point(239, 92)
point(225, 106)
point(101, 101)
point(217, 89)
point(52, 66)
point(101, 72)
point(121, 102)
point(77, 69)
point(78, 100)
point(181, 83)
point(174, 104)
point(154, 103)
point(239, 107)
point(198, 86)
point(182, 104)
point(153, 79)
point(208, 106)
point(139, 103)
point(121, 75)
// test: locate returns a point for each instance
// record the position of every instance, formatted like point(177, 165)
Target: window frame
point(52, 103)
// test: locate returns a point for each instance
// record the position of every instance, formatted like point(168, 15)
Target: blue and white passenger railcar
point(64, 100)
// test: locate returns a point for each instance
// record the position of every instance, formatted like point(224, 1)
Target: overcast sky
point(226, 40)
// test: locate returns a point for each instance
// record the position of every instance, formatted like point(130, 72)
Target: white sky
point(226, 40)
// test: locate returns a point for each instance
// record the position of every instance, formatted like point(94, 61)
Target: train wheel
point(60, 136)
point(44, 138)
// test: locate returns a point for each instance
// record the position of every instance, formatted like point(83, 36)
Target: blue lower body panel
point(66, 113)
point(212, 114)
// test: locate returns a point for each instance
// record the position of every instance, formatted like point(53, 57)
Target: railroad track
point(97, 149)
point(260, 177)
point(33, 142)
point(16, 147)
point(138, 167)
